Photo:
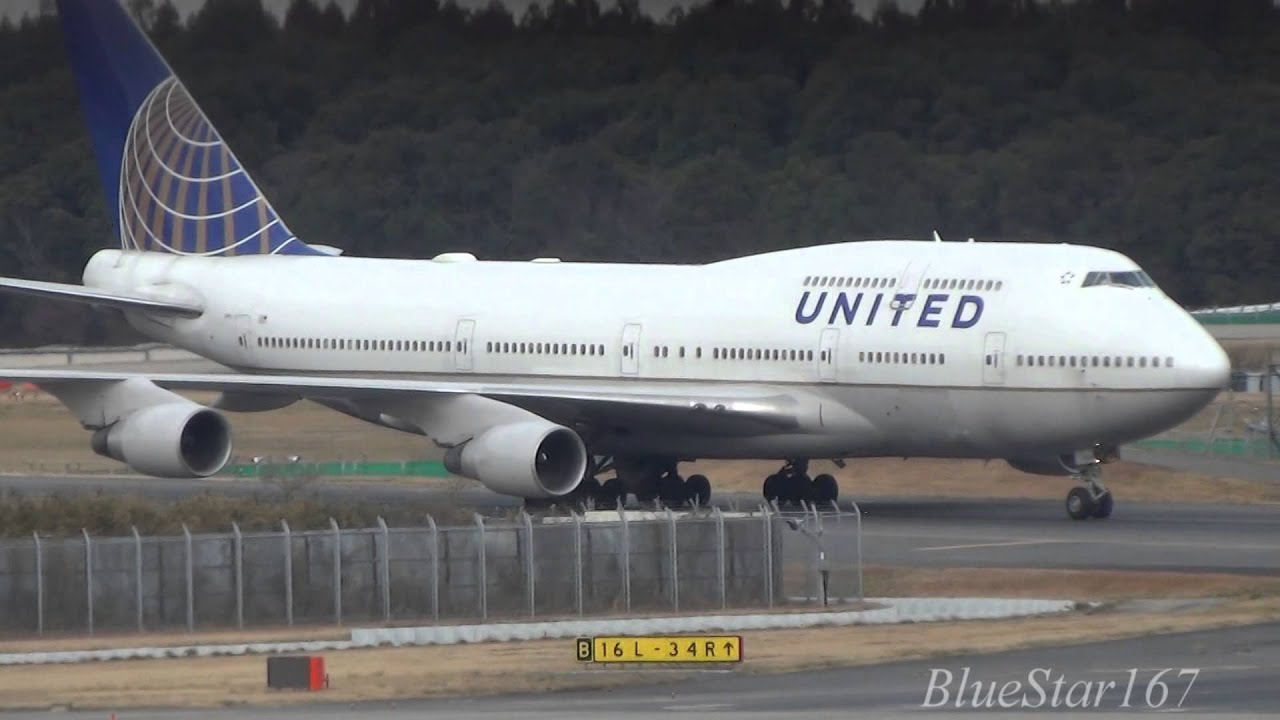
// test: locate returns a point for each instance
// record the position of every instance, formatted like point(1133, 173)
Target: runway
point(898, 532)
point(1234, 670)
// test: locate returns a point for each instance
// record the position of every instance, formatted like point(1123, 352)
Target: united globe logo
point(182, 190)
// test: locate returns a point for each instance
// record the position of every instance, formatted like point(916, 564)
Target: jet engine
point(1048, 464)
point(535, 459)
point(173, 440)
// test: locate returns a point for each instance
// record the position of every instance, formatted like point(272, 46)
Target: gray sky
point(17, 8)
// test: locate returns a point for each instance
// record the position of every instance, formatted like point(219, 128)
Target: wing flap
point(153, 304)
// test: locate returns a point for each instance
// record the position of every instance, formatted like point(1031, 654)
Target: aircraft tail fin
point(172, 183)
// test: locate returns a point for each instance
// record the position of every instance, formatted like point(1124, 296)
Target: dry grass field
point(404, 673)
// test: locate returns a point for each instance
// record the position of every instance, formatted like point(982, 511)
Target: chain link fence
point(597, 563)
point(1238, 424)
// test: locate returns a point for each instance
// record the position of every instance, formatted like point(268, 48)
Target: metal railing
point(592, 563)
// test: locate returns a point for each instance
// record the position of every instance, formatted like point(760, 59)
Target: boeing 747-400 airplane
point(1047, 356)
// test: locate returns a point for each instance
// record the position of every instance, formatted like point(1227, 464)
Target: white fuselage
point(1001, 352)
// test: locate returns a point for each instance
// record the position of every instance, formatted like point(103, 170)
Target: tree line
point(582, 131)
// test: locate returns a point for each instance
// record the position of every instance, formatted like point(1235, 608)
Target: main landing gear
point(649, 479)
point(1091, 499)
point(791, 484)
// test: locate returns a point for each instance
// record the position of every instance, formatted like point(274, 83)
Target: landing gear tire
point(610, 493)
point(698, 489)
point(825, 490)
point(799, 489)
point(1103, 506)
point(587, 490)
point(1080, 503)
point(672, 491)
point(773, 488)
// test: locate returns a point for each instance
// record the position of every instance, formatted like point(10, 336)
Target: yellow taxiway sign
point(661, 649)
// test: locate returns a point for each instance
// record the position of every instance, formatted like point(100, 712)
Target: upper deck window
point(1128, 278)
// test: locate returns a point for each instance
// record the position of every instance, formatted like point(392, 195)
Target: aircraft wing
point(155, 304)
point(705, 409)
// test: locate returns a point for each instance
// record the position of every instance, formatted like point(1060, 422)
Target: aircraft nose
point(1206, 365)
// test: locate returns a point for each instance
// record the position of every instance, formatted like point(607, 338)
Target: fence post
point(858, 530)
point(675, 564)
point(39, 584)
point(720, 577)
point(385, 569)
point(237, 551)
point(626, 556)
point(435, 568)
point(88, 576)
point(768, 554)
point(137, 568)
point(530, 589)
point(482, 572)
point(288, 572)
point(191, 601)
point(337, 571)
point(577, 560)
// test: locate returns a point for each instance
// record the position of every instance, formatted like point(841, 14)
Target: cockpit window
point(1128, 278)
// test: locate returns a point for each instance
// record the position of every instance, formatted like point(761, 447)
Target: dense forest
point(598, 132)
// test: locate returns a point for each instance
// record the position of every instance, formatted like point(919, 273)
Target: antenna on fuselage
point(936, 236)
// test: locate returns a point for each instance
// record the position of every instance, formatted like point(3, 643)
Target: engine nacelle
point(174, 440)
point(1048, 464)
point(527, 459)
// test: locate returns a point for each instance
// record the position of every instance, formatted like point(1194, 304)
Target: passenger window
point(697, 353)
point(942, 358)
point(681, 351)
point(1106, 361)
point(999, 284)
point(1062, 361)
point(1129, 362)
point(1168, 362)
point(809, 353)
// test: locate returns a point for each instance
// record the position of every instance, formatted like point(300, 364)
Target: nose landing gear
point(1091, 499)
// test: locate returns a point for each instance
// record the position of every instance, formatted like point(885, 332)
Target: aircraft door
point(993, 359)
point(827, 346)
point(462, 353)
point(631, 349)
point(242, 328)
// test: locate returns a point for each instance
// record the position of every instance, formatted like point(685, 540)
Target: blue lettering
point(929, 315)
point(875, 307)
point(973, 301)
point(902, 300)
point(842, 306)
point(804, 319)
